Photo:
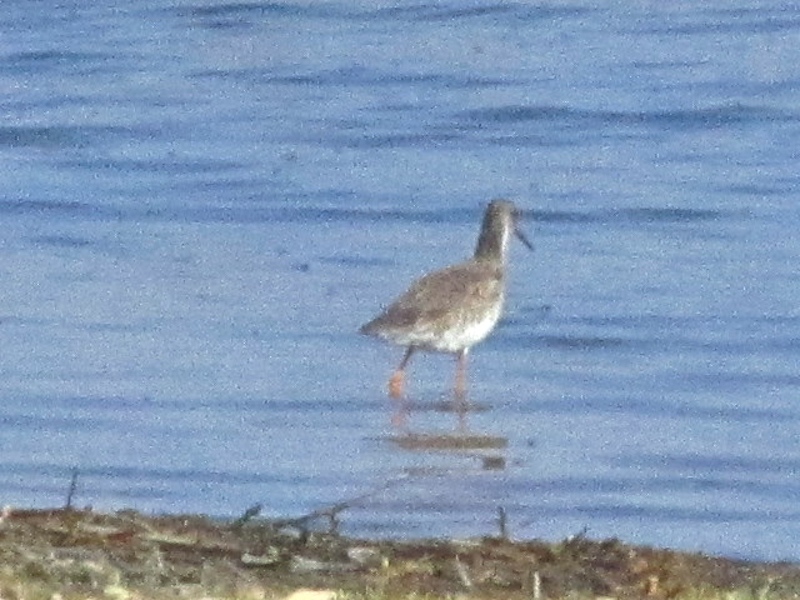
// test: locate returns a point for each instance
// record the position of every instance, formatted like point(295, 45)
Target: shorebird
point(453, 309)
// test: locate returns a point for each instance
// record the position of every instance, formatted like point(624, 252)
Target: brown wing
point(445, 294)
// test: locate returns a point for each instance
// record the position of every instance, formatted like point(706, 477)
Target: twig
point(463, 575)
point(502, 522)
point(537, 586)
point(330, 512)
point(248, 515)
point(73, 486)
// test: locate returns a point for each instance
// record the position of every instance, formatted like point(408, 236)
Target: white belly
point(470, 334)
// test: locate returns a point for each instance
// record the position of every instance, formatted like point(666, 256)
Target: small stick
point(73, 486)
point(331, 512)
point(502, 522)
point(463, 574)
point(537, 586)
point(249, 514)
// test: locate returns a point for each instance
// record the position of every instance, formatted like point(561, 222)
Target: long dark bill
point(522, 237)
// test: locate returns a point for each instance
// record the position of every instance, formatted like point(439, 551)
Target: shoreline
point(79, 553)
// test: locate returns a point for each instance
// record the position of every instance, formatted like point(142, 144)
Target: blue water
point(201, 202)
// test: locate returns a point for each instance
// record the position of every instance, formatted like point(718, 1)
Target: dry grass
point(69, 554)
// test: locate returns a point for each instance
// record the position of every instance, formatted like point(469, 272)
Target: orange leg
point(461, 375)
point(396, 384)
point(397, 380)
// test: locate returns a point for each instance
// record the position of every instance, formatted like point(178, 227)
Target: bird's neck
point(492, 243)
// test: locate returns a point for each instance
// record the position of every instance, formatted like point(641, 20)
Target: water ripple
point(646, 214)
point(653, 407)
point(502, 12)
point(49, 60)
point(681, 119)
point(718, 464)
point(140, 475)
point(25, 206)
point(356, 76)
point(62, 241)
point(56, 136)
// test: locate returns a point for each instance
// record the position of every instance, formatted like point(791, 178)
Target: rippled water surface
point(202, 201)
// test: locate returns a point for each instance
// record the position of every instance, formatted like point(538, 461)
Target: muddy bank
point(81, 553)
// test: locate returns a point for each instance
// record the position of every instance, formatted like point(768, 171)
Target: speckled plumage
point(453, 309)
point(442, 310)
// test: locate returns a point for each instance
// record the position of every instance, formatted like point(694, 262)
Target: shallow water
point(201, 202)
